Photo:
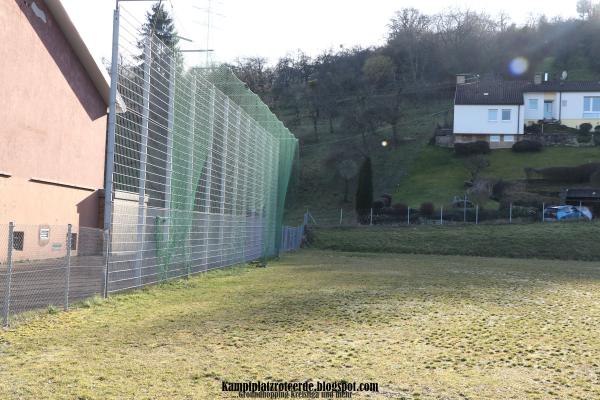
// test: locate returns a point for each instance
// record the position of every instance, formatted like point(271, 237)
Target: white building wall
point(574, 104)
point(473, 119)
point(537, 113)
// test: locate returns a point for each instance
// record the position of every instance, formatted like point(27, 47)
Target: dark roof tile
point(490, 92)
point(564, 86)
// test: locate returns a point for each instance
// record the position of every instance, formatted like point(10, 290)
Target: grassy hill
point(316, 183)
point(413, 172)
point(437, 175)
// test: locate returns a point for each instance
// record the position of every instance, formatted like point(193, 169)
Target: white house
point(497, 111)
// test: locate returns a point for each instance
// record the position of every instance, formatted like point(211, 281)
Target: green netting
point(285, 142)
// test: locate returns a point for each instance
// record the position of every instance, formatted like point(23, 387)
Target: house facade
point(53, 110)
point(497, 111)
point(570, 103)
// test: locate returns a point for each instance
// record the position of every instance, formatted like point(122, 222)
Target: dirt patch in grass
point(427, 327)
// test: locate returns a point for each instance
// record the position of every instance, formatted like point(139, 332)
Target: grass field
point(437, 175)
point(423, 327)
point(566, 241)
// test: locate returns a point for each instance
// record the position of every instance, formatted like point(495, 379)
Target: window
point(18, 240)
point(533, 104)
point(495, 138)
point(509, 138)
point(505, 115)
point(492, 115)
point(591, 106)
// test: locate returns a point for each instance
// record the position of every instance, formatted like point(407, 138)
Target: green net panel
point(201, 168)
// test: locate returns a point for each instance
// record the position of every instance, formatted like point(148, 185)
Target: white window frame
point(509, 115)
point(590, 112)
point(530, 101)
point(494, 138)
point(494, 110)
point(509, 138)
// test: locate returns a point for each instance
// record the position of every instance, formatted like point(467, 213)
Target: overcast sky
point(272, 28)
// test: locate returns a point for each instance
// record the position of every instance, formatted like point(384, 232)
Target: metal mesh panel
point(201, 167)
point(46, 265)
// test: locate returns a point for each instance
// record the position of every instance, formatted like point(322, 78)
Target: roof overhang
point(94, 69)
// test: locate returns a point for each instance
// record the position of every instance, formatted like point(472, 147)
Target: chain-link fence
point(428, 214)
point(48, 265)
point(198, 170)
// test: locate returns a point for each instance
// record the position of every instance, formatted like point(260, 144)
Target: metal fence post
point(543, 208)
point(579, 215)
point(442, 215)
point(465, 209)
point(371, 217)
point(9, 266)
point(68, 267)
point(510, 213)
point(106, 236)
point(477, 214)
point(341, 215)
point(408, 216)
point(142, 206)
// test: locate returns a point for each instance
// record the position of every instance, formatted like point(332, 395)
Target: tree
point(159, 25)
point(364, 192)
point(475, 164)
point(410, 39)
point(347, 170)
point(255, 73)
point(587, 9)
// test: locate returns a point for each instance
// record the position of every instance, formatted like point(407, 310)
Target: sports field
point(422, 326)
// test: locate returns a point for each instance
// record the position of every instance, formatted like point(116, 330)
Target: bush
point(400, 209)
point(427, 209)
point(498, 190)
point(386, 199)
point(472, 148)
point(578, 174)
point(584, 137)
point(597, 139)
point(585, 127)
point(533, 129)
point(597, 129)
point(527, 146)
point(378, 205)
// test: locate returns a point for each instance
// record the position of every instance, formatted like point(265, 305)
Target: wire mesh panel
point(201, 167)
point(48, 265)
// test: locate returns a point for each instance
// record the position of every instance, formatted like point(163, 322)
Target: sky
point(274, 28)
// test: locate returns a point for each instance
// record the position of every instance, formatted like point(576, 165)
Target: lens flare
point(384, 143)
point(518, 66)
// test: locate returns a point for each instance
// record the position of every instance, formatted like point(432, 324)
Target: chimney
point(537, 79)
point(461, 79)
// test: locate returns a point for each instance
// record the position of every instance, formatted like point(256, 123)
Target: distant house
point(496, 110)
point(53, 110)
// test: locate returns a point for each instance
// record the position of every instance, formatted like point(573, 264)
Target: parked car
point(560, 213)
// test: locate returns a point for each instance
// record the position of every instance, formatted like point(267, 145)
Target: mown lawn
point(549, 240)
point(423, 327)
point(437, 175)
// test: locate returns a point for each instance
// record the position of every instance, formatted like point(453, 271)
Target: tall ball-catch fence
point(200, 166)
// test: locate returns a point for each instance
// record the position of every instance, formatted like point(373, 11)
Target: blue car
point(560, 213)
